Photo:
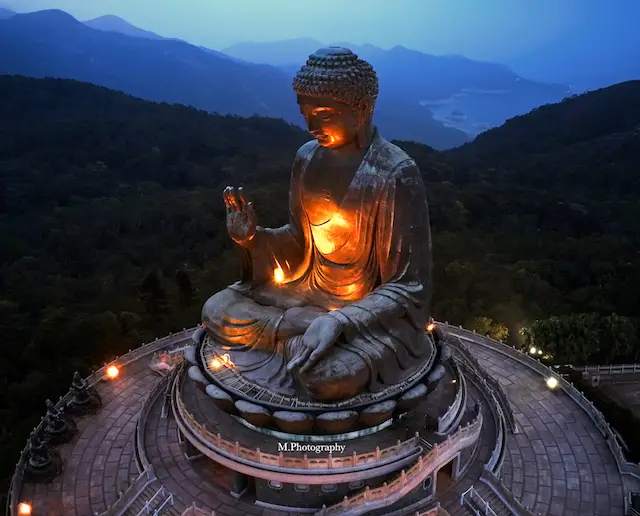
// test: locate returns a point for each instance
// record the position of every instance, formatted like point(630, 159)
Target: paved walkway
point(192, 481)
point(560, 465)
point(99, 461)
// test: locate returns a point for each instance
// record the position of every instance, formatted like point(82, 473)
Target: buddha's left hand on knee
point(316, 342)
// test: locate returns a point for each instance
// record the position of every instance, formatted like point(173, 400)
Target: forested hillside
point(113, 231)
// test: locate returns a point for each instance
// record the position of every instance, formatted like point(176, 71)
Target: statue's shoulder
point(306, 150)
point(392, 158)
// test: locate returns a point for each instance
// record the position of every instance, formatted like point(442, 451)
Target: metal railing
point(611, 369)
point(127, 497)
point(194, 510)
point(160, 494)
point(505, 494)
point(92, 380)
point(472, 499)
point(167, 503)
point(233, 381)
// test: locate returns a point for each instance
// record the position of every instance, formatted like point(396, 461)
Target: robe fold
point(365, 260)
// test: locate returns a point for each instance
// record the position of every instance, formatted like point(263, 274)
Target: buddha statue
point(335, 302)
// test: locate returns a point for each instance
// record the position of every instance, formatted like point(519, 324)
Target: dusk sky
point(483, 29)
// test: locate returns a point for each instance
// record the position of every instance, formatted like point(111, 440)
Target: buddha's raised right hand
point(241, 217)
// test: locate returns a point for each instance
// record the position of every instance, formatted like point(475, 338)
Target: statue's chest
point(324, 188)
point(333, 210)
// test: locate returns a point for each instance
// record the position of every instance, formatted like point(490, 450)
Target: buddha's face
point(333, 123)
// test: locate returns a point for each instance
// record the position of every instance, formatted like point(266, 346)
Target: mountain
point(600, 47)
point(112, 23)
point(589, 142)
point(5, 13)
point(54, 44)
point(277, 53)
point(462, 93)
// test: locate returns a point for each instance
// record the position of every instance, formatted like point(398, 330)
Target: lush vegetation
point(113, 228)
point(582, 339)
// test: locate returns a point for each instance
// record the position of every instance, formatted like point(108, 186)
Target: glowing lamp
point(112, 372)
point(431, 327)
point(224, 360)
point(24, 508)
point(533, 350)
point(454, 381)
point(278, 275)
point(552, 382)
point(539, 352)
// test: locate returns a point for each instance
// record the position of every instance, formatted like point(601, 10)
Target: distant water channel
point(476, 111)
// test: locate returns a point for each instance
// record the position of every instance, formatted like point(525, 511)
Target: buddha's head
point(336, 93)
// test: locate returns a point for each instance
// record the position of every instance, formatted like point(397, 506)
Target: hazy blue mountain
point(277, 53)
point(112, 23)
point(603, 49)
point(608, 112)
point(54, 44)
point(5, 13)
point(463, 93)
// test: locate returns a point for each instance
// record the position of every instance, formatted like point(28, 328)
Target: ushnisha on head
point(336, 93)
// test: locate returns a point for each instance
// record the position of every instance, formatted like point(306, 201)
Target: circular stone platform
point(560, 463)
point(265, 410)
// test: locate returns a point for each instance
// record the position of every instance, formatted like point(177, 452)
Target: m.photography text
point(310, 447)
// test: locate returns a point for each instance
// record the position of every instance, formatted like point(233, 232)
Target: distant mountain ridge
point(53, 43)
point(589, 142)
point(486, 94)
point(5, 13)
point(113, 23)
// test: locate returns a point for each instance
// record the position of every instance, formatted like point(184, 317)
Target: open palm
point(241, 217)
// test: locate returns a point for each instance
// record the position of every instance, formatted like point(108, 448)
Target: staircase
point(484, 501)
point(154, 501)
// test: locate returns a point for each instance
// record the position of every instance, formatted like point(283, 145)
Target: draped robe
point(367, 262)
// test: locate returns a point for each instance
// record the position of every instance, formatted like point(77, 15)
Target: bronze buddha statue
point(335, 302)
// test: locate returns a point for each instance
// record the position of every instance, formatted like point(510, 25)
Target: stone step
point(494, 501)
point(146, 495)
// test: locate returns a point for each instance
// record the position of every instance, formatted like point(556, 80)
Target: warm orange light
point(112, 372)
point(431, 327)
point(24, 508)
point(224, 360)
point(278, 273)
point(227, 360)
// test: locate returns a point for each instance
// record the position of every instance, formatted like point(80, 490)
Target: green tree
point(152, 295)
point(185, 288)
